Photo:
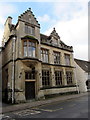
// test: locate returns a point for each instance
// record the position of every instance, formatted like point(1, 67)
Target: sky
point(70, 19)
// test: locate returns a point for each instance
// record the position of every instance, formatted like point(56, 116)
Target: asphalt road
point(73, 108)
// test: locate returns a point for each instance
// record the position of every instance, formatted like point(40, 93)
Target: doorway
point(30, 90)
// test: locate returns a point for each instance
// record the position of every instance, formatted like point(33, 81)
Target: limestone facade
point(35, 65)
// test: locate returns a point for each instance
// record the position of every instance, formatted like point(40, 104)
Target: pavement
point(10, 108)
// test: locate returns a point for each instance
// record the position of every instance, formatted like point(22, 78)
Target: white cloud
point(5, 11)
point(74, 32)
point(81, 51)
point(44, 18)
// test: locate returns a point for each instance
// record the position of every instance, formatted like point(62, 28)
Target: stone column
point(64, 77)
point(62, 59)
point(39, 92)
point(51, 57)
point(71, 60)
point(52, 76)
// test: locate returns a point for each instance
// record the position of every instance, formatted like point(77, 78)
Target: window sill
point(63, 86)
point(30, 80)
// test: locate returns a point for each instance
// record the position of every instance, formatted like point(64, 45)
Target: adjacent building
point(82, 74)
point(35, 65)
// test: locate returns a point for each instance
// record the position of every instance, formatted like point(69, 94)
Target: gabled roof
point(29, 17)
point(47, 40)
point(54, 34)
point(85, 65)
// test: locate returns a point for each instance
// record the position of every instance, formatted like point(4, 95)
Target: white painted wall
point(81, 77)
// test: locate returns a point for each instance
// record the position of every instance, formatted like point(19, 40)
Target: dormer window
point(29, 30)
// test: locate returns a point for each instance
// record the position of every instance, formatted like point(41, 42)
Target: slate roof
point(85, 65)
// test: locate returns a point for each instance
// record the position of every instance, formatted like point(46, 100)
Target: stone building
point(35, 65)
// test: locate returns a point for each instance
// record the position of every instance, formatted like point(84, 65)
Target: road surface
point(73, 108)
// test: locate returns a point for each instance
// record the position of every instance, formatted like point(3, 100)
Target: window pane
point(29, 75)
point(33, 31)
point(58, 77)
point(67, 59)
point(29, 30)
point(33, 51)
point(69, 77)
point(45, 78)
point(26, 29)
point(44, 55)
point(56, 57)
point(25, 51)
point(29, 51)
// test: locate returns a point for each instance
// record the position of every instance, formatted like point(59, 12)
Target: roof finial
point(30, 9)
point(54, 28)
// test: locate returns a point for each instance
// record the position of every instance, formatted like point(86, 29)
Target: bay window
point(29, 49)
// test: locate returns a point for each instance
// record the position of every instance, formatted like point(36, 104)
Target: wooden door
point(29, 90)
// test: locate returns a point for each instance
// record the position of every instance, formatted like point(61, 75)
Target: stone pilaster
point(62, 59)
point(64, 77)
point(39, 93)
point(52, 76)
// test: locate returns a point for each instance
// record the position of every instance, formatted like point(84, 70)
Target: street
point(73, 108)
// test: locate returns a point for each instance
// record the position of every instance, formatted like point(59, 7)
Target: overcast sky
point(69, 18)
